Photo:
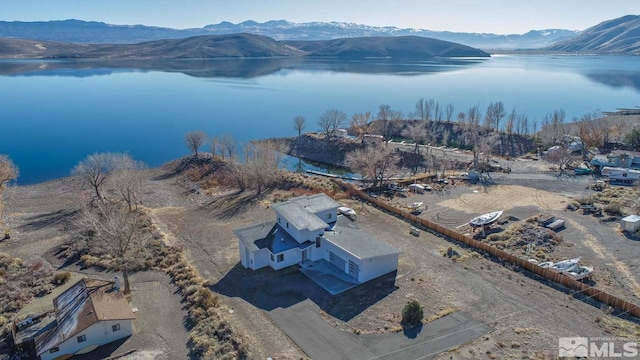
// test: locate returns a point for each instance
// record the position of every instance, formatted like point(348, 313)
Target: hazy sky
point(495, 16)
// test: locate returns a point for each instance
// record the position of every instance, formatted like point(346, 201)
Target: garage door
point(354, 269)
point(336, 260)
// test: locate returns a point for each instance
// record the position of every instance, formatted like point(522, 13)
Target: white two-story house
point(308, 229)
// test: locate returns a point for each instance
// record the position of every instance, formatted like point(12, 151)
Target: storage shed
point(630, 223)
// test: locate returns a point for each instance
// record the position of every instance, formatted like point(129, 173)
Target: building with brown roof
point(89, 314)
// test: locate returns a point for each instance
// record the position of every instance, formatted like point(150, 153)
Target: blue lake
point(55, 113)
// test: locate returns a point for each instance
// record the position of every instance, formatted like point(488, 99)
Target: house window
point(272, 258)
point(278, 219)
point(54, 350)
point(280, 257)
point(82, 338)
point(328, 216)
point(115, 327)
point(287, 225)
point(318, 244)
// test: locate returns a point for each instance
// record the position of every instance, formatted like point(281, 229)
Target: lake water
point(55, 113)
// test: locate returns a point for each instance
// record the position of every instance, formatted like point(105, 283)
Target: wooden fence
point(549, 274)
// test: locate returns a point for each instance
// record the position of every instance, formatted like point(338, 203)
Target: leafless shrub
point(61, 278)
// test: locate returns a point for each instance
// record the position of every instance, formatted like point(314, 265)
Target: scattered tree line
point(497, 131)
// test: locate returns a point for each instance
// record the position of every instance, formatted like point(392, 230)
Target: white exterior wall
point(242, 251)
point(316, 253)
point(303, 235)
point(261, 259)
point(291, 257)
point(375, 267)
point(99, 333)
point(323, 215)
point(255, 260)
point(328, 246)
point(630, 226)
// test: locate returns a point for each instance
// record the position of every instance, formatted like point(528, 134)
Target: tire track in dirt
point(162, 227)
point(504, 197)
point(593, 243)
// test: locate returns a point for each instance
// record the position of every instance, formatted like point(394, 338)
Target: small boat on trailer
point(485, 219)
point(349, 212)
point(565, 266)
point(580, 272)
point(415, 205)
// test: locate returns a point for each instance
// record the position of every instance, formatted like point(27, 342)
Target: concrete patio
point(328, 276)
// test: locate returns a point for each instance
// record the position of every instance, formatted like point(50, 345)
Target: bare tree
point(557, 124)
point(561, 156)
point(298, 124)
point(446, 135)
point(215, 147)
point(472, 130)
point(194, 140)
point(495, 115)
point(424, 109)
point(229, 145)
point(618, 132)
point(384, 113)
point(509, 129)
point(127, 179)
point(360, 124)
point(437, 112)
point(396, 115)
point(8, 170)
point(534, 127)
point(417, 133)
point(110, 229)
point(239, 172)
point(374, 162)
point(523, 125)
point(330, 121)
point(95, 169)
point(262, 164)
point(449, 112)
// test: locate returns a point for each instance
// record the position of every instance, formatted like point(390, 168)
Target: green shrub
point(412, 314)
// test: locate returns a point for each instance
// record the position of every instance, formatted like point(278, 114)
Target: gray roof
point(631, 218)
point(357, 242)
point(249, 234)
point(300, 211)
point(268, 235)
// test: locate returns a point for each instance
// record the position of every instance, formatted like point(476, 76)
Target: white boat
point(580, 272)
point(485, 219)
point(417, 188)
point(346, 211)
point(546, 264)
point(415, 205)
point(565, 265)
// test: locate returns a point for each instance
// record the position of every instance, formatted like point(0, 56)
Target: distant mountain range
point(617, 36)
point(241, 46)
point(78, 31)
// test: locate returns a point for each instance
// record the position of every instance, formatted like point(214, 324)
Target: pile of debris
point(526, 238)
